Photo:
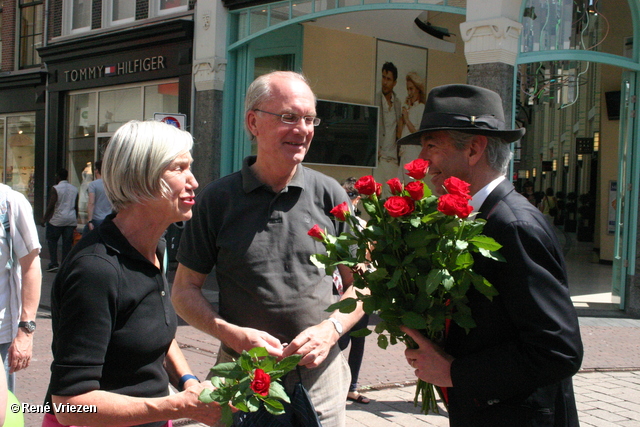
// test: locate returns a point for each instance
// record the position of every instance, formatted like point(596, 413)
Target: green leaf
point(227, 370)
point(485, 242)
point(361, 333)
point(378, 275)
point(321, 260)
point(464, 261)
point(253, 403)
point(258, 352)
point(273, 406)
point(383, 342)
point(483, 286)
point(241, 405)
point(276, 390)
point(434, 279)
point(347, 305)
point(288, 363)
point(414, 320)
point(205, 396)
point(461, 245)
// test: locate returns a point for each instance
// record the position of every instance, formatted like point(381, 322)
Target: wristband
point(184, 379)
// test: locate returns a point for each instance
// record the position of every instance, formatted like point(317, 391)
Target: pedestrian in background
point(20, 281)
point(61, 218)
point(98, 205)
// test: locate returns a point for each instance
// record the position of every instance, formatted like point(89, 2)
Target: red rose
point(417, 169)
point(399, 206)
point(378, 189)
point(261, 382)
point(454, 204)
point(341, 211)
point(415, 190)
point(366, 185)
point(317, 233)
point(395, 186)
point(457, 186)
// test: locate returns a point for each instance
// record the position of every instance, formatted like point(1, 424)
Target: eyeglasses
point(293, 119)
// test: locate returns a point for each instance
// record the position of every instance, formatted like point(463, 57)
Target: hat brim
point(508, 136)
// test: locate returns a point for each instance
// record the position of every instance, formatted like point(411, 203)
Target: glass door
point(626, 192)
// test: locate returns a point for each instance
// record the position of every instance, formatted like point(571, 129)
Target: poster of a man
point(400, 71)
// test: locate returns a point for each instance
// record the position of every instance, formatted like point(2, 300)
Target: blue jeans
point(53, 234)
point(11, 378)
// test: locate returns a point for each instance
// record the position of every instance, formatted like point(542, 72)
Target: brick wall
point(7, 62)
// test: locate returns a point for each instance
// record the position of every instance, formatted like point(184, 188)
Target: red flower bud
point(417, 169)
point(457, 186)
point(341, 211)
point(399, 206)
point(261, 382)
point(415, 190)
point(317, 233)
point(366, 185)
point(453, 204)
point(395, 186)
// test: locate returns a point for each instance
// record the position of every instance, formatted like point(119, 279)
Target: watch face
point(29, 326)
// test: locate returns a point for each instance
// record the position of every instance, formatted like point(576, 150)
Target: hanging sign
point(174, 119)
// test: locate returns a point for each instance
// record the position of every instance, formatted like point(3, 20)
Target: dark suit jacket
point(515, 367)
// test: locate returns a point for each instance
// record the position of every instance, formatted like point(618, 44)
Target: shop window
point(17, 138)
point(94, 116)
point(31, 32)
point(164, 7)
point(77, 16)
point(120, 12)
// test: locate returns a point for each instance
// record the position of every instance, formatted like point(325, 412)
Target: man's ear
point(250, 120)
point(476, 149)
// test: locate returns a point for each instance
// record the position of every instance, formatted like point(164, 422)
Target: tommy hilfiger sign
point(121, 68)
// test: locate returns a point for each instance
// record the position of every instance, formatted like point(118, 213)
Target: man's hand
point(313, 344)
point(20, 351)
point(239, 339)
point(431, 363)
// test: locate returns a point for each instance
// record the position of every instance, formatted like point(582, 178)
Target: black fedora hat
point(464, 108)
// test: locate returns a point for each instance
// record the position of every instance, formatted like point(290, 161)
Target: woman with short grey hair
point(112, 318)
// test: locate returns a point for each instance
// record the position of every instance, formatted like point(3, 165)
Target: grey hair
point(260, 91)
point(135, 159)
point(498, 152)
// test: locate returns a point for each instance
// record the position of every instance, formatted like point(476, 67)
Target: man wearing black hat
point(515, 367)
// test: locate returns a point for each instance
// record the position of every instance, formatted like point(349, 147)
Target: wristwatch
point(336, 324)
point(30, 325)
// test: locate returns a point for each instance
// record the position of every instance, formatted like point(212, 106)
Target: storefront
point(22, 131)
point(101, 82)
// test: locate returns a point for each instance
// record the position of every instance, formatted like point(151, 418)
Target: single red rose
point(399, 206)
point(341, 211)
point(457, 186)
point(317, 233)
point(415, 190)
point(261, 382)
point(366, 185)
point(454, 204)
point(395, 186)
point(378, 189)
point(417, 169)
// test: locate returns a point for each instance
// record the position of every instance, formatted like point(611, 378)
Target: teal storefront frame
point(243, 40)
point(626, 233)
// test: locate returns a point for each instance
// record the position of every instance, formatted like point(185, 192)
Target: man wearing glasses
point(252, 226)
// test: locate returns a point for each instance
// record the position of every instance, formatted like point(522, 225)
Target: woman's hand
point(189, 405)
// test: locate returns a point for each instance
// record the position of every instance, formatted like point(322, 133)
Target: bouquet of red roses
point(421, 249)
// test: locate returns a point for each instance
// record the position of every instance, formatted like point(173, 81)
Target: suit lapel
point(498, 193)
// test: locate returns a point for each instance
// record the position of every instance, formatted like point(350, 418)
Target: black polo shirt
point(112, 320)
point(257, 240)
